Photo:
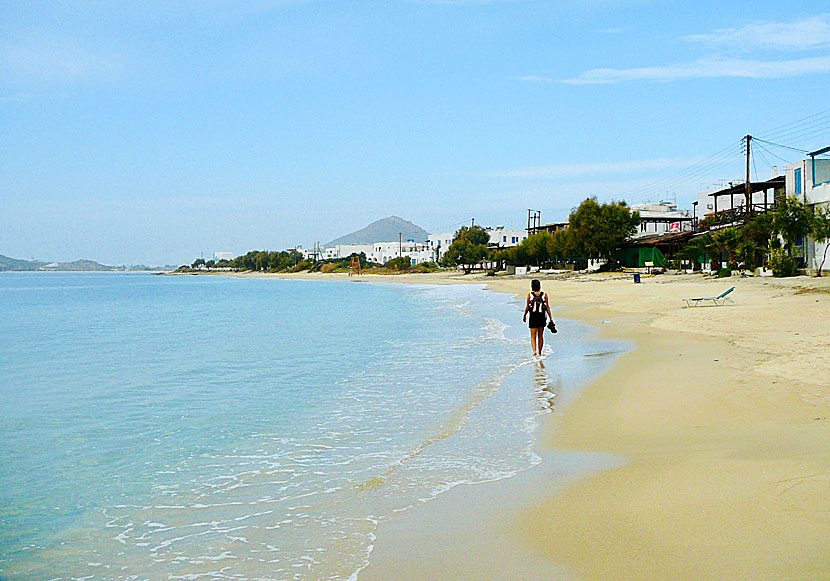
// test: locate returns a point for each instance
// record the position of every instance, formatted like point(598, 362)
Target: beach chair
point(717, 301)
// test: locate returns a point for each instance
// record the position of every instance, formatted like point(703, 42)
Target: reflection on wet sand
point(545, 388)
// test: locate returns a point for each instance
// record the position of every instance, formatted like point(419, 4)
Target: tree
point(820, 231)
point(598, 230)
point(728, 239)
point(469, 247)
point(791, 219)
point(697, 250)
point(198, 263)
point(475, 235)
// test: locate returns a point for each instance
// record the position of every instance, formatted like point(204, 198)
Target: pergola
point(774, 184)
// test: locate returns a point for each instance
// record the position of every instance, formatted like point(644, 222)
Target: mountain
point(15, 264)
point(384, 230)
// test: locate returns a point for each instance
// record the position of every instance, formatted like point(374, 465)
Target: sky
point(155, 133)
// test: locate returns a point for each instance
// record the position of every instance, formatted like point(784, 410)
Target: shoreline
point(722, 415)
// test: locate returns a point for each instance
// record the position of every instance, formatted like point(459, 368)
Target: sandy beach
point(723, 417)
point(720, 418)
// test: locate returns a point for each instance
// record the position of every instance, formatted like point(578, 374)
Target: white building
point(503, 238)
point(417, 252)
point(223, 256)
point(809, 181)
point(500, 237)
point(438, 244)
point(661, 218)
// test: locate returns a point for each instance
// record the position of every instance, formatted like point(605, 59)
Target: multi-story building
point(661, 218)
point(503, 238)
point(809, 181)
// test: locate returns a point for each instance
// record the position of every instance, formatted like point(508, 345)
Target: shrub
point(725, 272)
point(425, 267)
point(781, 264)
point(399, 263)
point(301, 266)
point(610, 266)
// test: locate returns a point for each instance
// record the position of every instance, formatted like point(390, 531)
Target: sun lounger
point(719, 300)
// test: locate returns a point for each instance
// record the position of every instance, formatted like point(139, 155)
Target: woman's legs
point(537, 338)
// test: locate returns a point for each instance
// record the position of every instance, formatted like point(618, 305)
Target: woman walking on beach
point(539, 309)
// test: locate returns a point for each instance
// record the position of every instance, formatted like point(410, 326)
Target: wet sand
point(721, 417)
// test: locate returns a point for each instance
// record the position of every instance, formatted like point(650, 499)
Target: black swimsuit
point(537, 320)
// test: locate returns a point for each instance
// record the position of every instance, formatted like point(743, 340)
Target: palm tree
point(696, 249)
point(729, 240)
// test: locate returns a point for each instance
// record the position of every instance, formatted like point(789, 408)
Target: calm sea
point(210, 427)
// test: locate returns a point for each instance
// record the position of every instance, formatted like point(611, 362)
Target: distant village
point(665, 235)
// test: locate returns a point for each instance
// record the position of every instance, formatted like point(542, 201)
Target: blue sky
point(140, 133)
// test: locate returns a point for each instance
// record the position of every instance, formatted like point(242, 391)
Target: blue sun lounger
point(718, 301)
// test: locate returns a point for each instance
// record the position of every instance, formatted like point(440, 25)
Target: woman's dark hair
point(535, 285)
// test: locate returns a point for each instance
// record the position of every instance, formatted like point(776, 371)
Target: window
point(504, 239)
point(798, 181)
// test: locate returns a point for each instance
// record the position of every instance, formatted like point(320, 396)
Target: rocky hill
point(384, 230)
point(15, 264)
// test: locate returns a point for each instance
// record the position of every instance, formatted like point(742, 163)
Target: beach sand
point(720, 419)
point(722, 415)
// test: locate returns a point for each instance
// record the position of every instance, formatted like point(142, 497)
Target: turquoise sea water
point(207, 427)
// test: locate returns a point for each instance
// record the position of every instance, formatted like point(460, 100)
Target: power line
point(818, 129)
point(773, 154)
point(780, 145)
point(775, 131)
point(718, 158)
point(693, 173)
point(764, 158)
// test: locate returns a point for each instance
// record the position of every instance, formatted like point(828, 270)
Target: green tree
point(475, 235)
point(469, 247)
point(728, 240)
point(791, 219)
point(820, 232)
point(599, 229)
point(535, 249)
point(198, 262)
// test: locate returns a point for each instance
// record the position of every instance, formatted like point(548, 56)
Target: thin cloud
point(54, 61)
point(533, 79)
point(707, 68)
point(803, 34)
point(593, 169)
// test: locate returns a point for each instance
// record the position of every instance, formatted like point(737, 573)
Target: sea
point(211, 427)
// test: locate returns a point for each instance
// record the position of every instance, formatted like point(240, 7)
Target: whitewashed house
point(809, 181)
point(503, 238)
point(417, 252)
point(438, 244)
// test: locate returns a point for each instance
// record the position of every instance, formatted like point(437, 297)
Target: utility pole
point(748, 184)
point(533, 221)
point(400, 243)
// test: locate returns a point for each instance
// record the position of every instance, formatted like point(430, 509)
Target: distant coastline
point(8, 264)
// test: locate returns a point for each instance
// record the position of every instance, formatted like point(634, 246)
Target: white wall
point(504, 238)
point(816, 196)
